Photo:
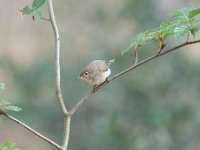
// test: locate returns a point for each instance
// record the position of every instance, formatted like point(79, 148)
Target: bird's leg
point(107, 81)
point(95, 88)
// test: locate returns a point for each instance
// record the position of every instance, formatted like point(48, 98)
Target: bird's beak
point(80, 78)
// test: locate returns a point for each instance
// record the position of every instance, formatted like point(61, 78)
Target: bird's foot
point(107, 81)
point(95, 88)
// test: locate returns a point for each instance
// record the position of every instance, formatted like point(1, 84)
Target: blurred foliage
point(156, 107)
point(134, 10)
point(8, 146)
point(8, 106)
point(2, 86)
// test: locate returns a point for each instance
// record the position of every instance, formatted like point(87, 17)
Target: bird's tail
point(109, 62)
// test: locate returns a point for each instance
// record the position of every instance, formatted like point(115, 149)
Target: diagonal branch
point(152, 57)
point(90, 94)
point(81, 102)
point(31, 130)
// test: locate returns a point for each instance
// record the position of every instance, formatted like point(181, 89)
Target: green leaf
point(137, 39)
point(37, 4)
point(182, 13)
point(37, 14)
point(185, 22)
point(196, 20)
point(194, 30)
point(180, 31)
point(8, 146)
point(142, 39)
point(27, 10)
point(8, 106)
point(2, 86)
point(193, 13)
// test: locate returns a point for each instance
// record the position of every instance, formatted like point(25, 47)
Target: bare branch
point(31, 130)
point(91, 93)
point(67, 131)
point(67, 118)
point(57, 43)
point(81, 102)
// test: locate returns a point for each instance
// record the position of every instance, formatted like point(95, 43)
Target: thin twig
point(57, 43)
point(81, 102)
point(46, 19)
point(32, 130)
point(136, 54)
point(91, 93)
point(67, 118)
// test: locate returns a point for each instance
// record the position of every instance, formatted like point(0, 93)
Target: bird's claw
point(94, 88)
point(107, 81)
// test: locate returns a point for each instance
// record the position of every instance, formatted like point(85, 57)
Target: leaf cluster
point(33, 10)
point(8, 146)
point(185, 21)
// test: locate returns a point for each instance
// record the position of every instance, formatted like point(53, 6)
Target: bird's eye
point(86, 73)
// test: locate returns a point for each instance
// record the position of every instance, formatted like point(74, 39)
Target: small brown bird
point(96, 72)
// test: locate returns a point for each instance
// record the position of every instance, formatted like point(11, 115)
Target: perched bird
point(96, 72)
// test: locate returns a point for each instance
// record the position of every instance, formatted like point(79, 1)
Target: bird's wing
point(109, 62)
point(106, 65)
point(100, 65)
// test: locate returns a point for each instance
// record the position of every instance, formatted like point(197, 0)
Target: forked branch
point(67, 119)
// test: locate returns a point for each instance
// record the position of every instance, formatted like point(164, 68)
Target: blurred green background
point(155, 107)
